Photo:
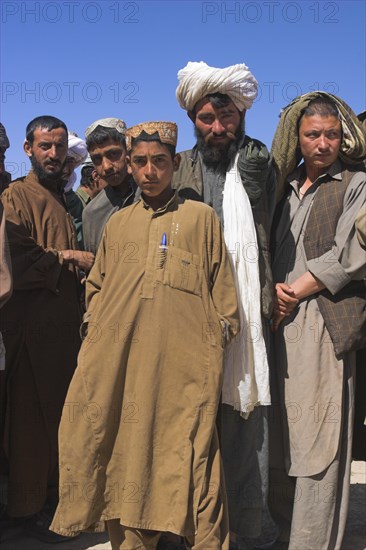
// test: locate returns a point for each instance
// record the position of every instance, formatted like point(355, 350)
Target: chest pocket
point(183, 271)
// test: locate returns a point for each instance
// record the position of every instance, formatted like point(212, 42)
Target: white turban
point(197, 80)
point(77, 149)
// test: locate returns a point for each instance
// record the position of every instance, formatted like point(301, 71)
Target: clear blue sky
point(83, 60)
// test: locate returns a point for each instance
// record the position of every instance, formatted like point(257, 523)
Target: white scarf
point(246, 371)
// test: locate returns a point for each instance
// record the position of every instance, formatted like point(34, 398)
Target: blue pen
point(163, 251)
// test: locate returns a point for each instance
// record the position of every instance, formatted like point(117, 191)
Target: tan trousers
point(212, 518)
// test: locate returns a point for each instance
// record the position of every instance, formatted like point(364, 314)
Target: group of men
point(217, 370)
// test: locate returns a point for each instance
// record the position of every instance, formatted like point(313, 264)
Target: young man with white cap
point(105, 140)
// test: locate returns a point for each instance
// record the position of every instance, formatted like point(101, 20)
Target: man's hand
point(80, 258)
point(286, 298)
point(286, 302)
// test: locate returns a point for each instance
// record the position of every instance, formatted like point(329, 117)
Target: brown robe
point(40, 326)
point(138, 436)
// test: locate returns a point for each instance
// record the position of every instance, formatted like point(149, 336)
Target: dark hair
point(101, 134)
point(217, 100)
point(321, 106)
point(153, 137)
point(86, 175)
point(47, 122)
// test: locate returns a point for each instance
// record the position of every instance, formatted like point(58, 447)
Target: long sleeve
point(33, 266)
point(346, 261)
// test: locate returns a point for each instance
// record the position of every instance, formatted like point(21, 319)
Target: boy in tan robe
point(139, 446)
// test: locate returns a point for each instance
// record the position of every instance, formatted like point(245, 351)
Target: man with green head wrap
point(319, 321)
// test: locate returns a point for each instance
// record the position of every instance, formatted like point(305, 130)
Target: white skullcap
point(197, 80)
point(110, 122)
point(76, 148)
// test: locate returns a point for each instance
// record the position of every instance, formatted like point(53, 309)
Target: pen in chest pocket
point(163, 250)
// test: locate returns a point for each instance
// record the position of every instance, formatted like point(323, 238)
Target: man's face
point(218, 126)
point(68, 168)
point(320, 140)
point(152, 167)
point(48, 151)
point(109, 160)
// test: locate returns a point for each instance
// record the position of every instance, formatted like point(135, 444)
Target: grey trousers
point(244, 449)
point(311, 512)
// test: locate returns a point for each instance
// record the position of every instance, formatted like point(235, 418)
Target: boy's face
point(152, 168)
point(109, 160)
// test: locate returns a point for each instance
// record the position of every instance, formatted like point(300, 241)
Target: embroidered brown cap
point(167, 132)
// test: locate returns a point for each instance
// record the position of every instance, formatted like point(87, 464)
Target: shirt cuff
point(54, 273)
point(329, 271)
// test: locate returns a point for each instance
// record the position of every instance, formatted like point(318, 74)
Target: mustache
point(212, 136)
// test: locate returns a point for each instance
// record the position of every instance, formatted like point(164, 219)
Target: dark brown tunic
point(40, 325)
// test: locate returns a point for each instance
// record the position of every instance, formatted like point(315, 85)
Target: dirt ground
point(355, 535)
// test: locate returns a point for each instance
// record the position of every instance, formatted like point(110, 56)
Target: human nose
point(107, 165)
point(323, 142)
point(150, 169)
point(217, 127)
point(52, 152)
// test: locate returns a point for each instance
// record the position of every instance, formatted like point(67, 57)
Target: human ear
point(176, 161)
point(27, 148)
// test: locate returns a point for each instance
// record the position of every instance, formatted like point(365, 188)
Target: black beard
point(45, 177)
point(216, 157)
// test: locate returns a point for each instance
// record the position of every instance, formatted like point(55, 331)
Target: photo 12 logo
point(71, 92)
point(269, 12)
point(70, 12)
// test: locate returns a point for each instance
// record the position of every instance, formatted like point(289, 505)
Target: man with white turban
point(231, 172)
point(76, 155)
point(105, 140)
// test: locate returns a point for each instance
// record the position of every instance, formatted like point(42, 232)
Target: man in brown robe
point(138, 441)
point(39, 324)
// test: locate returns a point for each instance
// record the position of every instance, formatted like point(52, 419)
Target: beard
point(219, 158)
point(43, 176)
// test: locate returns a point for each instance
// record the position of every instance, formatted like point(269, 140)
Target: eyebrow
point(157, 155)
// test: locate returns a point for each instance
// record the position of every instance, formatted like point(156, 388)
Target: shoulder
point(96, 203)
point(255, 148)
point(120, 218)
point(18, 188)
point(185, 155)
point(197, 209)
point(353, 177)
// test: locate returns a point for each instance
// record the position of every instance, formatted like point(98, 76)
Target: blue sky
point(83, 60)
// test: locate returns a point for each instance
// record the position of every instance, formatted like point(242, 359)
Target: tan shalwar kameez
point(138, 440)
point(40, 326)
point(313, 392)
